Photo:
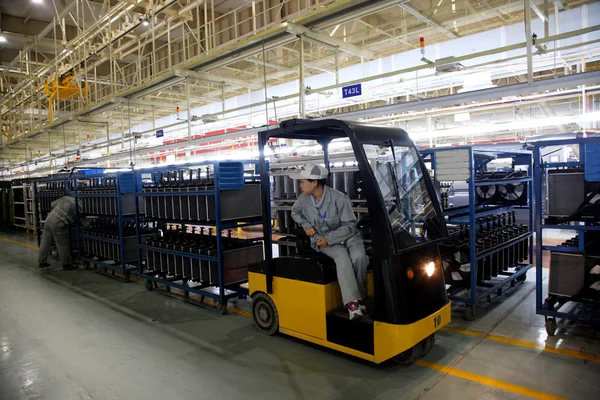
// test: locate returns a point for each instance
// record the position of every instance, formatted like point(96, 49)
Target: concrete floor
point(79, 335)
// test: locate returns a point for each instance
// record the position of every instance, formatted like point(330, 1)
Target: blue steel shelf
point(176, 194)
point(502, 181)
point(572, 227)
point(230, 181)
point(125, 183)
point(547, 307)
point(470, 295)
point(178, 253)
point(99, 238)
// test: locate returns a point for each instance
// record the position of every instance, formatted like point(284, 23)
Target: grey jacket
point(63, 210)
point(339, 222)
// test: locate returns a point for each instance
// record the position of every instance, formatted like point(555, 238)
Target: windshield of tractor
point(408, 202)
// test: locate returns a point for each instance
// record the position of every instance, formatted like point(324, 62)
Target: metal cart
point(465, 164)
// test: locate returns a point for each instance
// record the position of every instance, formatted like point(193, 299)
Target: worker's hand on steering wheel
point(322, 242)
point(310, 232)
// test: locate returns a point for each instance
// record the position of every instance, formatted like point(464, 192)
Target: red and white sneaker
point(354, 310)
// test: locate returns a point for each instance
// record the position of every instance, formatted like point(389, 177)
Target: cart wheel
point(127, 277)
point(469, 313)
point(551, 326)
point(148, 284)
point(264, 314)
point(223, 308)
point(427, 344)
point(522, 278)
point(408, 356)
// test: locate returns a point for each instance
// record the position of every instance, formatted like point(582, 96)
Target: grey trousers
point(351, 264)
point(55, 233)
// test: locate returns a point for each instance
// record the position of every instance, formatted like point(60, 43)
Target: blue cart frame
point(546, 307)
point(221, 294)
point(123, 267)
point(472, 296)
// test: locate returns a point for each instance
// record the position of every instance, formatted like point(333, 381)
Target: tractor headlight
point(430, 268)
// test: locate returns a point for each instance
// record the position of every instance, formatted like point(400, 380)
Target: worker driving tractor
point(56, 230)
point(326, 216)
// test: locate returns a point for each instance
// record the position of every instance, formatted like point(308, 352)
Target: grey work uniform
point(334, 220)
point(56, 230)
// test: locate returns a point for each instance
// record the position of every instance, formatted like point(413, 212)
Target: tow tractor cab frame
point(299, 295)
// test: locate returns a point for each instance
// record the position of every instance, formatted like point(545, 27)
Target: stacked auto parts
point(572, 204)
point(193, 207)
point(489, 247)
point(107, 221)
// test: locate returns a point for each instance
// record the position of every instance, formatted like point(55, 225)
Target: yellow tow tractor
point(299, 295)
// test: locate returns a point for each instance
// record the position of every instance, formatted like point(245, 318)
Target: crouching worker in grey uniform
point(56, 230)
point(326, 216)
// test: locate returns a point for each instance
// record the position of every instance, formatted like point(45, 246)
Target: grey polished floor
point(80, 335)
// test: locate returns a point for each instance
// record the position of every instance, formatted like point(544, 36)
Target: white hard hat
point(311, 171)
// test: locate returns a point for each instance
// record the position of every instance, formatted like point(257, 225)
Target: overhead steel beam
point(537, 10)
point(202, 76)
point(312, 35)
point(411, 10)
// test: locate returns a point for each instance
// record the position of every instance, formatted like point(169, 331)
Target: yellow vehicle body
point(302, 308)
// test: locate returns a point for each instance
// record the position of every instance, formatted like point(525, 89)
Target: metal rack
point(502, 247)
point(558, 206)
point(107, 240)
point(19, 195)
point(182, 203)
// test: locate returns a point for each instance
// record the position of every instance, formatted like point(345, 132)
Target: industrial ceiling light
point(37, 1)
point(2, 38)
point(145, 22)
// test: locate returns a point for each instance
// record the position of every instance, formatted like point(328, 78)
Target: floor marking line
point(536, 394)
point(523, 343)
point(30, 246)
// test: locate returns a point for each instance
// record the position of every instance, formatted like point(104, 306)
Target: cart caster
point(86, 265)
point(551, 326)
point(223, 308)
point(127, 277)
point(264, 314)
point(409, 356)
point(512, 283)
point(522, 278)
point(427, 345)
point(469, 313)
point(148, 284)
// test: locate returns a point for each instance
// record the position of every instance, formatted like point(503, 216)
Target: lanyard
point(324, 216)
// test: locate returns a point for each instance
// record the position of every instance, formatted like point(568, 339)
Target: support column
point(188, 104)
point(528, 41)
point(302, 109)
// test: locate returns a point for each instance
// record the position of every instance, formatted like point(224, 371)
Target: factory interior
point(168, 167)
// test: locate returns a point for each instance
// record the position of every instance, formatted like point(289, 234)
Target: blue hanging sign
point(352, 90)
point(160, 133)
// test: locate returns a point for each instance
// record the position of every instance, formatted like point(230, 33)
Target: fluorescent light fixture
point(2, 39)
point(334, 30)
point(145, 22)
point(37, 1)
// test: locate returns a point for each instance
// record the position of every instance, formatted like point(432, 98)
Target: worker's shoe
point(354, 310)
point(69, 267)
point(43, 265)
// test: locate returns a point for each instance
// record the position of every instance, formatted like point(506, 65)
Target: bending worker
point(326, 216)
point(56, 230)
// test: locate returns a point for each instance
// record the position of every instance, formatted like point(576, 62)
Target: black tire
point(551, 326)
point(148, 284)
point(469, 313)
point(427, 345)
point(522, 278)
point(409, 356)
point(264, 314)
